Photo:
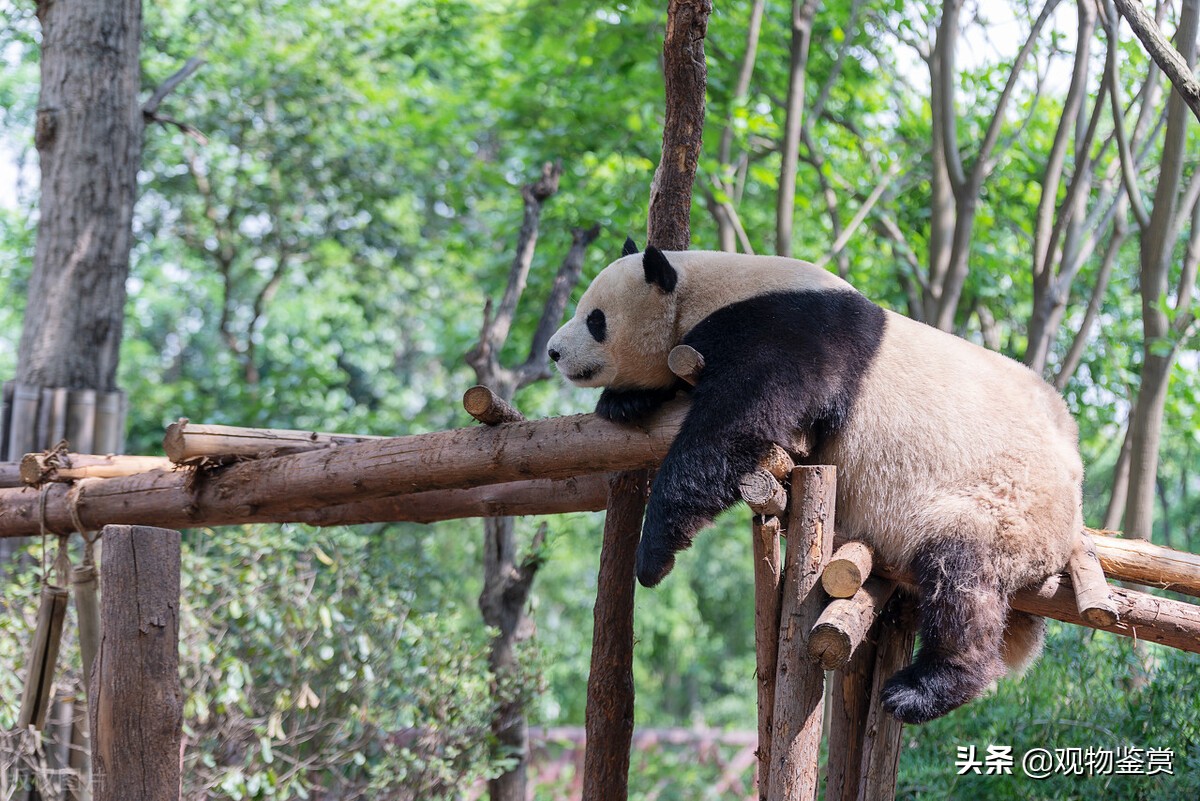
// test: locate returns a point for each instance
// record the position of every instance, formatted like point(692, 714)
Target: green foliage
point(1076, 696)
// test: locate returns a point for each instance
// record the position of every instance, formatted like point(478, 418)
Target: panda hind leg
point(1024, 636)
point(962, 622)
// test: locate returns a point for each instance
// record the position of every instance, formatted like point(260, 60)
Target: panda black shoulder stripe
point(808, 350)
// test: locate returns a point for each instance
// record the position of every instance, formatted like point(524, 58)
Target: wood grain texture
point(136, 703)
point(767, 576)
point(799, 682)
point(609, 713)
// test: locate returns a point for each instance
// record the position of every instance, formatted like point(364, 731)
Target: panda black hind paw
point(631, 405)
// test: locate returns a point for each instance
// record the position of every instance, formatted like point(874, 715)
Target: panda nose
point(554, 355)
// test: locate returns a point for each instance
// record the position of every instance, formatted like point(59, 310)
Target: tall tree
point(1164, 327)
point(89, 141)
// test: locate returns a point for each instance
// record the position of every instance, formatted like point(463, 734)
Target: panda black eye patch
point(597, 325)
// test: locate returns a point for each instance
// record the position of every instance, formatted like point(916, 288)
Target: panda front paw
point(631, 405)
point(653, 564)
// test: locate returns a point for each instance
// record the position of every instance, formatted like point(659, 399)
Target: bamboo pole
point(6, 396)
point(41, 467)
point(81, 420)
point(87, 610)
point(22, 421)
point(58, 415)
point(43, 657)
point(110, 422)
point(800, 683)
point(765, 533)
point(190, 443)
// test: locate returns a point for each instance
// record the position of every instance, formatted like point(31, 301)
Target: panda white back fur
point(953, 461)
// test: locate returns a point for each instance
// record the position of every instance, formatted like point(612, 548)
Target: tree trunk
point(686, 76)
point(1158, 348)
point(89, 142)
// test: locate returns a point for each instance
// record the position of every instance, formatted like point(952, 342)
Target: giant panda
point(953, 461)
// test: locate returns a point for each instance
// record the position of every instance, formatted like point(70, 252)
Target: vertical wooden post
point(849, 704)
point(766, 636)
point(609, 715)
point(881, 734)
point(134, 698)
point(800, 682)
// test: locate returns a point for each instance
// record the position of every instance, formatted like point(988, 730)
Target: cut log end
point(829, 646)
point(686, 362)
point(489, 408)
point(847, 570)
point(174, 441)
point(762, 493)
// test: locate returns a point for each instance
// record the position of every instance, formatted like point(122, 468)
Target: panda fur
point(953, 461)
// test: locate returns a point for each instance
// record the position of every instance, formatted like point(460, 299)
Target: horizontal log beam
point(515, 499)
point(278, 488)
point(10, 475)
point(1143, 562)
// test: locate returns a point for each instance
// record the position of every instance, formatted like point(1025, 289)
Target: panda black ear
point(630, 247)
point(658, 270)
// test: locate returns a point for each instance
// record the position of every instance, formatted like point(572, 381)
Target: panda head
point(624, 326)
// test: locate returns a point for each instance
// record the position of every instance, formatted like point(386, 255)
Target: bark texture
point(136, 703)
point(1160, 335)
point(609, 715)
point(89, 142)
point(686, 76)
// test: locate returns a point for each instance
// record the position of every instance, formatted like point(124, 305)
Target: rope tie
point(74, 495)
point(62, 560)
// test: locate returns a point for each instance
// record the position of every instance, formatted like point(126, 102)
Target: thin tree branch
point(151, 105)
point(982, 166)
point(1071, 360)
point(745, 73)
point(535, 367)
point(495, 334)
point(803, 12)
point(1050, 225)
point(942, 84)
point(835, 72)
point(1164, 55)
point(1128, 171)
point(1184, 314)
point(862, 213)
